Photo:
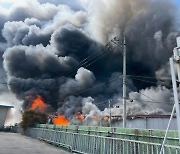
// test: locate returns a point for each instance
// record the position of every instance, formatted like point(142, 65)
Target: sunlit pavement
point(12, 143)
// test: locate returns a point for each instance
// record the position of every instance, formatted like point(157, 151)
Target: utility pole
point(110, 112)
point(176, 99)
point(175, 61)
point(124, 84)
point(123, 45)
point(169, 123)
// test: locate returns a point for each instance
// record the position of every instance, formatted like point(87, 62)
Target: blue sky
point(178, 2)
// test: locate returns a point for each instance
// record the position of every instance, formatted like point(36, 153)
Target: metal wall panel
point(149, 123)
point(3, 114)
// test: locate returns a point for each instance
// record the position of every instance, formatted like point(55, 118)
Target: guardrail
point(93, 144)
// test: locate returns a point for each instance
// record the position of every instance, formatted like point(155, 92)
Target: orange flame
point(80, 116)
point(60, 120)
point(38, 103)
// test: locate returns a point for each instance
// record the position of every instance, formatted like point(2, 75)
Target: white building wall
point(148, 123)
point(3, 114)
point(161, 123)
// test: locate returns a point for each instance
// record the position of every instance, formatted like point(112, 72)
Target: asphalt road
point(12, 143)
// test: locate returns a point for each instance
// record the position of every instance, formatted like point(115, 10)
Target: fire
point(60, 120)
point(80, 116)
point(38, 103)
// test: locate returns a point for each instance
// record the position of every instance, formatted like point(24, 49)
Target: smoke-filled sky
point(56, 49)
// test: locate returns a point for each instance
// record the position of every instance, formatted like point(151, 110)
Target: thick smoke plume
point(57, 50)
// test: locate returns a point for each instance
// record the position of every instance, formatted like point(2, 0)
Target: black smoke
point(58, 51)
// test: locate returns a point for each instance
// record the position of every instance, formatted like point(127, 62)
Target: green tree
point(32, 117)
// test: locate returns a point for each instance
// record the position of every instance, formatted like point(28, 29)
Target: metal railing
point(92, 144)
point(154, 136)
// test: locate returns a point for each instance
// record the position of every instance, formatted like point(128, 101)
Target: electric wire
point(103, 83)
point(100, 84)
point(97, 85)
point(144, 80)
point(148, 77)
point(90, 58)
point(146, 96)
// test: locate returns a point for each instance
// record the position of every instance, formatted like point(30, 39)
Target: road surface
point(12, 143)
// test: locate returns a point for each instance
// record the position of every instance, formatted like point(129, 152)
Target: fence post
point(104, 146)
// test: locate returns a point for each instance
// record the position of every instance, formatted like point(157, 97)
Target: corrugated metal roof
point(145, 116)
point(151, 116)
point(7, 106)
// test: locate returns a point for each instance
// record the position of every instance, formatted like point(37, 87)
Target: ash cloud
point(30, 88)
point(53, 49)
point(83, 80)
point(140, 21)
point(36, 61)
point(25, 33)
point(71, 41)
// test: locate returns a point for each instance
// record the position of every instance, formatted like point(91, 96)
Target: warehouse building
point(146, 122)
point(3, 114)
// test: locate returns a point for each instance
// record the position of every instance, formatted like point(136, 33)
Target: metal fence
point(93, 144)
point(145, 135)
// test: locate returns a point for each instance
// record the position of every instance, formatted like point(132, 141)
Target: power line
point(101, 84)
point(151, 101)
point(147, 96)
point(82, 91)
point(86, 60)
point(155, 83)
point(82, 63)
point(144, 80)
point(149, 77)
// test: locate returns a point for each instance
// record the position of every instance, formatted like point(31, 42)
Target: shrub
point(32, 117)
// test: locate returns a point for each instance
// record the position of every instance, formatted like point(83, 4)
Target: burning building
point(60, 120)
